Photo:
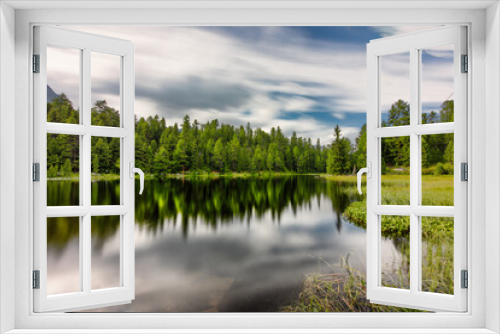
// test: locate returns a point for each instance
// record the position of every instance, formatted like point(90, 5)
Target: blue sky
point(303, 79)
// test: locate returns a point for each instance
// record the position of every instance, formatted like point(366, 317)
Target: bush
point(439, 169)
point(448, 167)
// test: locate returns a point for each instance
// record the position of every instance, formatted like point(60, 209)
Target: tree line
point(162, 149)
point(437, 150)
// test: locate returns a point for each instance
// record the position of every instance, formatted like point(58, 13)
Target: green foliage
point(161, 150)
point(439, 170)
point(397, 226)
point(399, 114)
point(66, 168)
point(63, 151)
point(52, 172)
point(435, 148)
point(339, 156)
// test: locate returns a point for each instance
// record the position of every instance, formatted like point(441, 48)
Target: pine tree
point(161, 161)
point(257, 160)
point(219, 156)
point(296, 157)
point(360, 159)
point(162, 149)
point(66, 168)
point(180, 155)
point(52, 172)
point(449, 153)
point(270, 160)
point(234, 148)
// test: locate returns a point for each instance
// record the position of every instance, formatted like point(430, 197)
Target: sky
point(303, 79)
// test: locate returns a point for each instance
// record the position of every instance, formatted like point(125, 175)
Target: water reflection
point(231, 245)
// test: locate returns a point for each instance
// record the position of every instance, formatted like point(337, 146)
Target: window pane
point(106, 252)
point(437, 169)
point(395, 89)
point(106, 78)
point(63, 169)
point(105, 188)
point(63, 85)
point(395, 170)
point(437, 84)
point(395, 252)
point(437, 254)
point(63, 255)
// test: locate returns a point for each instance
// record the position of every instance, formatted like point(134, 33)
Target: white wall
point(492, 148)
point(7, 162)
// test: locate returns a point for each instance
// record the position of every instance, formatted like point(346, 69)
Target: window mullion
point(85, 160)
point(414, 171)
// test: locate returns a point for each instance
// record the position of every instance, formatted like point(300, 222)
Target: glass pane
point(106, 252)
point(105, 154)
point(437, 84)
point(437, 169)
point(437, 254)
point(63, 85)
point(105, 81)
point(395, 252)
point(395, 169)
point(395, 89)
point(63, 255)
point(63, 168)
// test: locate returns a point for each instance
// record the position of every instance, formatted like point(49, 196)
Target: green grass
point(347, 292)
point(343, 292)
point(436, 190)
point(94, 177)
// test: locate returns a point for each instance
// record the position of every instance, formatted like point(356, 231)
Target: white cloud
point(280, 73)
point(170, 54)
point(338, 115)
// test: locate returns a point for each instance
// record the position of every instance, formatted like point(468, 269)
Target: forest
point(191, 147)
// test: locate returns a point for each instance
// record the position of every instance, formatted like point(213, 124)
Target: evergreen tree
point(162, 149)
point(219, 156)
point(66, 168)
point(234, 149)
point(360, 159)
point(180, 155)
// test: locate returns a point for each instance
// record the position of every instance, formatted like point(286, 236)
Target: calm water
point(223, 245)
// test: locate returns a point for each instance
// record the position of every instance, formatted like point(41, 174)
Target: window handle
point(368, 171)
point(134, 170)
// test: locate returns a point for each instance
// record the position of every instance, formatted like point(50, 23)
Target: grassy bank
point(347, 292)
point(436, 190)
point(214, 175)
point(94, 177)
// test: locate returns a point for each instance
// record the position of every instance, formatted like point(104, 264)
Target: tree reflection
point(210, 201)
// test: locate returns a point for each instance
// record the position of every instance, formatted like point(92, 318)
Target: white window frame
point(484, 52)
point(376, 51)
point(86, 44)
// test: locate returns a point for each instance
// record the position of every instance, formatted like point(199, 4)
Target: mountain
point(51, 95)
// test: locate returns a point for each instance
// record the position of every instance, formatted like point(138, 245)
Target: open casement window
point(78, 217)
point(417, 101)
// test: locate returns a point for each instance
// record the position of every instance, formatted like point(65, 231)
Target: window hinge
point(36, 279)
point(36, 172)
point(36, 63)
point(465, 279)
point(464, 171)
point(465, 64)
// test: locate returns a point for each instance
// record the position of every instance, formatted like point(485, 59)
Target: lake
point(213, 245)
